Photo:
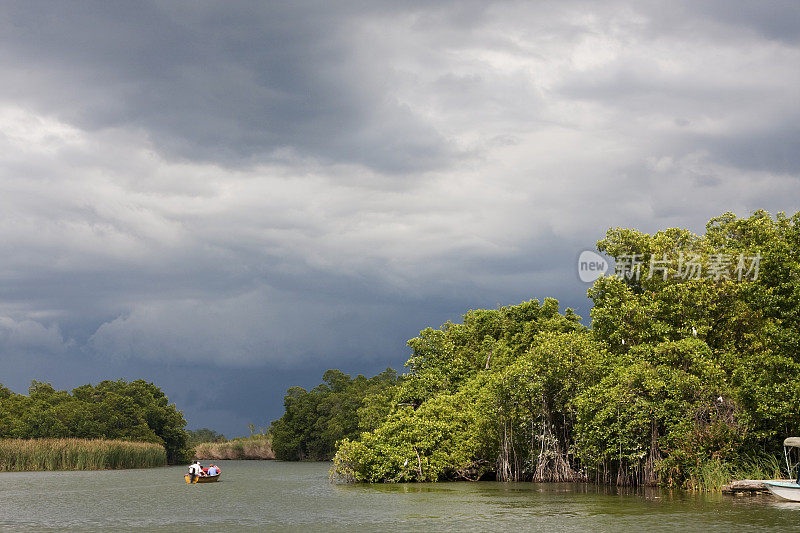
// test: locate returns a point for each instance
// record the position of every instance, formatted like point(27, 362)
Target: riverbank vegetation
point(257, 446)
point(199, 436)
point(339, 408)
point(111, 410)
point(688, 375)
point(712, 475)
point(22, 455)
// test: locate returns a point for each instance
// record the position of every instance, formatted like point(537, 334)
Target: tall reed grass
point(712, 475)
point(21, 455)
point(258, 447)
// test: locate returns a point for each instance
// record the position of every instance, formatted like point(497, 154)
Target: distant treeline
point(112, 410)
point(22, 455)
point(340, 408)
point(681, 379)
point(204, 435)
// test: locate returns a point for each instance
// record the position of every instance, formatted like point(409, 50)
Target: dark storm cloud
point(228, 82)
point(774, 150)
point(778, 21)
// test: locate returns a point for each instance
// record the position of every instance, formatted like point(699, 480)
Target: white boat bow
point(788, 490)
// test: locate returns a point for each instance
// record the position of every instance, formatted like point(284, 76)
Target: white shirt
point(194, 468)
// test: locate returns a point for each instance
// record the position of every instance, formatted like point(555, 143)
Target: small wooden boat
point(205, 478)
point(788, 490)
point(201, 479)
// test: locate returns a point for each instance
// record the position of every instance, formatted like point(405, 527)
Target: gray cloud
point(218, 82)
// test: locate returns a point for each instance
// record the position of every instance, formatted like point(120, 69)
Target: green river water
point(276, 496)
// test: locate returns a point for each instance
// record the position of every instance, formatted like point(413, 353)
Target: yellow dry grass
point(20, 455)
point(251, 448)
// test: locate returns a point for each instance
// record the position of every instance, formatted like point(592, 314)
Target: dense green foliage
point(23, 455)
point(678, 378)
point(130, 411)
point(340, 407)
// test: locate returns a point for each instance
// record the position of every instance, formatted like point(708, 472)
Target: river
point(271, 495)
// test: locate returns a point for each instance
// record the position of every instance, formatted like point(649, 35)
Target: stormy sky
point(228, 198)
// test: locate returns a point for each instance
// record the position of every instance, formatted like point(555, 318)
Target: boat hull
point(784, 489)
point(201, 479)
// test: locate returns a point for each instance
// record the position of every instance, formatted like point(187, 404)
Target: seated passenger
point(213, 470)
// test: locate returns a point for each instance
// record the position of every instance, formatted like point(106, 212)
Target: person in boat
point(212, 470)
point(195, 470)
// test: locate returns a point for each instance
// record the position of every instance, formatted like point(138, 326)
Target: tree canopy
point(340, 407)
point(132, 411)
